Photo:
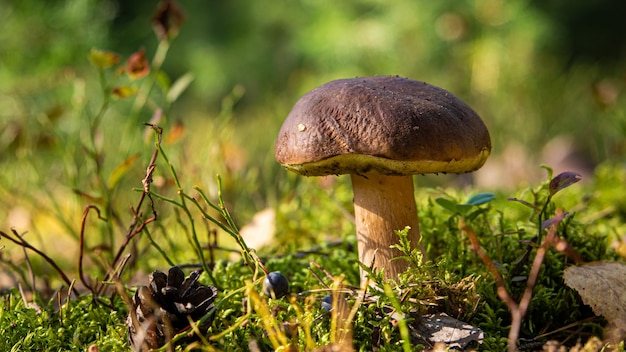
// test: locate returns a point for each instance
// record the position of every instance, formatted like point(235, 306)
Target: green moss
point(76, 324)
point(453, 280)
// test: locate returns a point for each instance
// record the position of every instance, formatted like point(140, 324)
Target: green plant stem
point(402, 325)
point(226, 213)
point(231, 229)
point(97, 155)
point(183, 206)
point(211, 218)
point(158, 248)
point(541, 218)
point(106, 98)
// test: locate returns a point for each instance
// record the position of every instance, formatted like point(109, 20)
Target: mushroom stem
point(382, 205)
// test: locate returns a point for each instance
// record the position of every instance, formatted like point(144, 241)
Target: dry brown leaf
point(260, 231)
point(440, 328)
point(601, 285)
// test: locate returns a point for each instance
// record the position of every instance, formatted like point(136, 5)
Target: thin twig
point(159, 249)
point(135, 226)
point(518, 311)
point(31, 272)
point(328, 275)
point(82, 246)
point(20, 241)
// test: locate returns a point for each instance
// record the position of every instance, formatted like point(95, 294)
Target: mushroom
point(382, 130)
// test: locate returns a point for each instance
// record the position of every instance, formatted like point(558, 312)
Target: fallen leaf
point(260, 231)
point(442, 328)
point(601, 285)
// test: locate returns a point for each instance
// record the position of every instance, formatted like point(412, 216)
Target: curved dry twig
point(82, 245)
point(20, 241)
point(517, 310)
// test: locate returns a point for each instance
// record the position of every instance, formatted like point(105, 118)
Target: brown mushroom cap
point(390, 125)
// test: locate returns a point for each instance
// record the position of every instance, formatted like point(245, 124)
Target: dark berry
point(275, 285)
point(327, 303)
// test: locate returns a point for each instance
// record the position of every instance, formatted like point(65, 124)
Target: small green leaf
point(481, 198)
point(548, 169)
point(453, 207)
point(122, 92)
point(102, 58)
point(164, 81)
point(121, 170)
point(447, 204)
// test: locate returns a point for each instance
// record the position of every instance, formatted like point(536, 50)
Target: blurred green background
point(548, 77)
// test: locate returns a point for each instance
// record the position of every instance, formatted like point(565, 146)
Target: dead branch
point(136, 225)
point(518, 311)
point(20, 241)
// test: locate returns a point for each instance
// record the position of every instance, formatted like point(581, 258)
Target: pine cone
point(164, 307)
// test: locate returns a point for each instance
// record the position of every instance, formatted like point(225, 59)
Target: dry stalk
point(518, 311)
point(136, 225)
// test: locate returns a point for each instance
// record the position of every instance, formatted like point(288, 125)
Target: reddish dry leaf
point(601, 285)
point(167, 19)
point(563, 180)
point(137, 65)
point(177, 131)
